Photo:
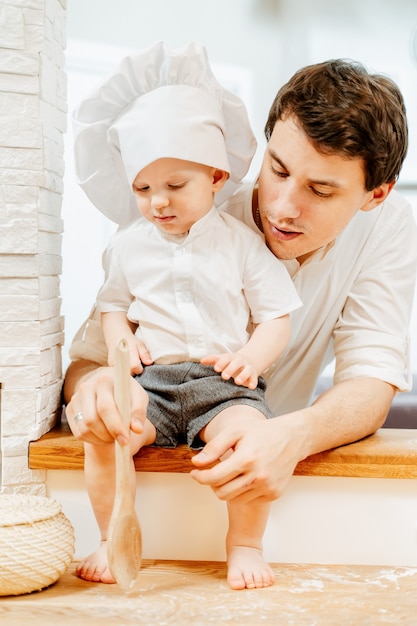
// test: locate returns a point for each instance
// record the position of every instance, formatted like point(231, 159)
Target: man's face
point(306, 198)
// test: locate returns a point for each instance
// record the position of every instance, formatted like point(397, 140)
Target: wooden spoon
point(124, 548)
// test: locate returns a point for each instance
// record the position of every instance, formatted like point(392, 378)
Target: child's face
point(173, 194)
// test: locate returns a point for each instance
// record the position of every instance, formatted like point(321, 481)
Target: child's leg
point(246, 565)
point(99, 471)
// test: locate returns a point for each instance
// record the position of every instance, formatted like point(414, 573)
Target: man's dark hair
point(345, 110)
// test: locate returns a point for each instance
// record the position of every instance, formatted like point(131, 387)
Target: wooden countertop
point(182, 593)
point(389, 453)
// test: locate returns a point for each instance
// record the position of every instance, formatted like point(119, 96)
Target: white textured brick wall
point(32, 124)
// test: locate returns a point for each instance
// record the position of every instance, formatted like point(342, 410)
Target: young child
point(201, 301)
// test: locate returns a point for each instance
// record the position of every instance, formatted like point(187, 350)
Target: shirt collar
point(293, 265)
point(196, 229)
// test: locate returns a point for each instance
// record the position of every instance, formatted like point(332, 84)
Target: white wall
point(267, 40)
point(32, 125)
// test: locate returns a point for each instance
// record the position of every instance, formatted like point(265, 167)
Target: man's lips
point(283, 234)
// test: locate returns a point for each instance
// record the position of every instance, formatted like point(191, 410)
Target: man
point(324, 200)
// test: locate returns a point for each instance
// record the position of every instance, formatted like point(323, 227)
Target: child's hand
point(138, 355)
point(234, 366)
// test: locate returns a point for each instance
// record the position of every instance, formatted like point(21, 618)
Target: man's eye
point(321, 194)
point(279, 173)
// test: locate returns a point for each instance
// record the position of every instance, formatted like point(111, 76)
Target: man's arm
point(262, 460)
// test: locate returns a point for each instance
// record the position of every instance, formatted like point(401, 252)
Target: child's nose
point(159, 201)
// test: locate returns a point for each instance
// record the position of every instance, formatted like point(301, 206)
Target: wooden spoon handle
point(122, 397)
point(122, 381)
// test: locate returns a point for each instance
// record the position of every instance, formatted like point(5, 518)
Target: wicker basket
point(36, 543)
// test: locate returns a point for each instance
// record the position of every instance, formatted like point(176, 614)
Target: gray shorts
point(184, 398)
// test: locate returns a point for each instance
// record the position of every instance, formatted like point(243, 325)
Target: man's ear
point(219, 179)
point(378, 195)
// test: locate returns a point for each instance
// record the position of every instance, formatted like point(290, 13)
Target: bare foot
point(247, 569)
point(94, 567)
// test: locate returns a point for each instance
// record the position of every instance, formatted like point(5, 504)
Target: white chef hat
point(158, 103)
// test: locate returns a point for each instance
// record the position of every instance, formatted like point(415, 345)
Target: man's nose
point(288, 202)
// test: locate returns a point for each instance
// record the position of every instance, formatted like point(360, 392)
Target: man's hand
point(233, 365)
point(93, 398)
point(258, 460)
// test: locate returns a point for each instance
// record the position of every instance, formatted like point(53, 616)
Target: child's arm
point(266, 344)
point(116, 326)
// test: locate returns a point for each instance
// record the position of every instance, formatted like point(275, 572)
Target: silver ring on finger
point(78, 418)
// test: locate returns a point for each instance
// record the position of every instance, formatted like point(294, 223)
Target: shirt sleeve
point(371, 335)
point(269, 289)
point(114, 294)
point(88, 342)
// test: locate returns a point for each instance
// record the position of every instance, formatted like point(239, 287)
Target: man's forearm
point(345, 413)
point(77, 372)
